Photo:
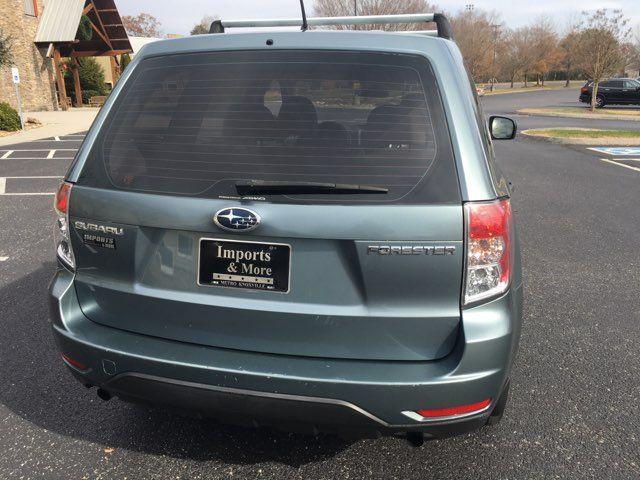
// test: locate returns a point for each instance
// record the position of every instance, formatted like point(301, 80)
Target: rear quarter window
point(198, 124)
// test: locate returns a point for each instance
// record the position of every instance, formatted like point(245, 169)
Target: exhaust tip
point(104, 395)
point(416, 439)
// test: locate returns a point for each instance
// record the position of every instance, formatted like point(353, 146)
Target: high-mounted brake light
point(61, 233)
point(488, 260)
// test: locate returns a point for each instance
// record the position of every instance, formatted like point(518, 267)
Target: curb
point(582, 141)
point(504, 91)
point(596, 116)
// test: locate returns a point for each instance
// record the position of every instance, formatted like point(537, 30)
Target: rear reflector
point(455, 411)
point(74, 363)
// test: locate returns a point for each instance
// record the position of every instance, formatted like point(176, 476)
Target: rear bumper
point(283, 391)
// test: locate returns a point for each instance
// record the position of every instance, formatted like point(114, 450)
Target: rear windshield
point(199, 124)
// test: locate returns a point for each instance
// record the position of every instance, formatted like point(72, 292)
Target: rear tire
point(600, 102)
point(501, 405)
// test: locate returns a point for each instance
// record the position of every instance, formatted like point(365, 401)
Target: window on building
point(30, 7)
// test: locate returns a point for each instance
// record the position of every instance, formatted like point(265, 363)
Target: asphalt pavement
point(510, 103)
point(574, 410)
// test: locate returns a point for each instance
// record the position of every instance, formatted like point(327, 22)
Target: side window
point(630, 84)
point(486, 138)
point(500, 182)
point(615, 84)
point(30, 7)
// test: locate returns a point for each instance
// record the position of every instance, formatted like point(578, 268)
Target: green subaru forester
point(302, 229)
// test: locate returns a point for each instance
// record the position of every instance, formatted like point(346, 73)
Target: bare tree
point(525, 51)
point(142, 25)
point(568, 46)
point(630, 57)
point(513, 59)
point(508, 65)
point(598, 51)
point(339, 8)
point(475, 34)
point(546, 54)
point(202, 27)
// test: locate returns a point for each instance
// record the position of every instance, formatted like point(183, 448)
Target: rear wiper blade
point(265, 187)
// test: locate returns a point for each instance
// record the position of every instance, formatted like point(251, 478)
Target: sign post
point(15, 75)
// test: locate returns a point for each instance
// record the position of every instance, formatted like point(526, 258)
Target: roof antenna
point(305, 25)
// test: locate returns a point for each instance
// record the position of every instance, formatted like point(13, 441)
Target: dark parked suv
point(294, 229)
point(619, 91)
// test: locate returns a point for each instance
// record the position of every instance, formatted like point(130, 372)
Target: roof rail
point(443, 26)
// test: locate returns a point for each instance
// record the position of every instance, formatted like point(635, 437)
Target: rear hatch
point(206, 211)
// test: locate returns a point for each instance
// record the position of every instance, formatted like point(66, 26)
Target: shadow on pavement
point(36, 386)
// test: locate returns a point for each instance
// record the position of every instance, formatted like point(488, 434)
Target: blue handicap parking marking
point(617, 151)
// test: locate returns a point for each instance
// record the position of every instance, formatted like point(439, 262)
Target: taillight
point(488, 261)
point(584, 90)
point(61, 231)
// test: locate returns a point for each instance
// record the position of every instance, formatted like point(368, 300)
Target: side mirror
point(502, 128)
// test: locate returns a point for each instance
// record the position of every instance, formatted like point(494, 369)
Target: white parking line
point(41, 158)
point(3, 185)
point(50, 154)
point(38, 176)
point(620, 164)
point(25, 194)
point(45, 150)
point(34, 141)
point(4, 259)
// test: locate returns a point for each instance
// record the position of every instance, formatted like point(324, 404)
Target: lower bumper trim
point(248, 407)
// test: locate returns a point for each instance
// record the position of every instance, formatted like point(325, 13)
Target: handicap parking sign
point(15, 75)
point(618, 151)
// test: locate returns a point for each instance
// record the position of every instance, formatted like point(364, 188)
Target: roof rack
point(442, 24)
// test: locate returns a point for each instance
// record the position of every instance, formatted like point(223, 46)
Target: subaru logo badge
point(236, 219)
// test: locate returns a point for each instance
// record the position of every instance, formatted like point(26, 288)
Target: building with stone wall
point(19, 19)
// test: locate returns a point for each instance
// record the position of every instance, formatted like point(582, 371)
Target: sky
point(180, 16)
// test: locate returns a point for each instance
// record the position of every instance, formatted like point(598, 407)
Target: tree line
point(596, 45)
point(538, 51)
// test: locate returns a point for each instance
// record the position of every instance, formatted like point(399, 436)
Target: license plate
point(248, 265)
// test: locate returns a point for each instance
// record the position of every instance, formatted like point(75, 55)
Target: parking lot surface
point(574, 410)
